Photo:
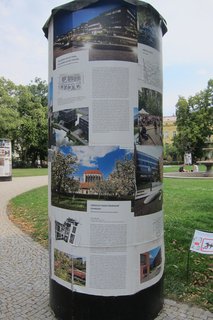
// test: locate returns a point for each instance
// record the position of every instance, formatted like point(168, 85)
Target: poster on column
point(5, 158)
point(105, 177)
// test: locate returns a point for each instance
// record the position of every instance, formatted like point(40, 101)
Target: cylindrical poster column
point(5, 160)
point(105, 160)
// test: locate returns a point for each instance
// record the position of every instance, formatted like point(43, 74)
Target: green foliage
point(194, 122)
point(23, 116)
point(121, 182)
point(123, 177)
point(63, 166)
point(151, 101)
point(62, 265)
point(170, 152)
point(9, 116)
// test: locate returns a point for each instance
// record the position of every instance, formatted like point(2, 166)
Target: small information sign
point(202, 242)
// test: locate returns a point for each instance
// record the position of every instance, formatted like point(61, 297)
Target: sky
point(101, 158)
point(187, 46)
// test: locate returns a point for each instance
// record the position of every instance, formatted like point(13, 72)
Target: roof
point(93, 172)
point(86, 185)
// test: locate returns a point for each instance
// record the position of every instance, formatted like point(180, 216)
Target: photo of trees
point(82, 173)
point(70, 268)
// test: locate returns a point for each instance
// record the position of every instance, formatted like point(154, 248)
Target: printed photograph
point(91, 173)
point(149, 175)
point(150, 264)
point(148, 126)
point(70, 268)
point(149, 32)
point(108, 31)
point(69, 127)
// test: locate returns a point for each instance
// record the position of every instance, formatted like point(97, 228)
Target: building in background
point(90, 178)
point(169, 129)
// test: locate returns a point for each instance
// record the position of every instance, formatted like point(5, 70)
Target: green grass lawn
point(175, 168)
point(188, 205)
point(29, 211)
point(26, 172)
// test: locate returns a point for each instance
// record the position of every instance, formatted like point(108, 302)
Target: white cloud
point(88, 156)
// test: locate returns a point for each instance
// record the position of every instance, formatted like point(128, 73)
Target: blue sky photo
point(101, 158)
point(153, 253)
point(66, 21)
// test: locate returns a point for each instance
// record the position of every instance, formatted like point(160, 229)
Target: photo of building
point(66, 118)
point(90, 178)
point(149, 194)
point(82, 173)
point(169, 129)
point(70, 127)
point(110, 33)
point(84, 125)
point(148, 168)
point(150, 264)
point(150, 32)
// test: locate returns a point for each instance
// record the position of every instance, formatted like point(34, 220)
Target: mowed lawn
point(27, 172)
point(188, 205)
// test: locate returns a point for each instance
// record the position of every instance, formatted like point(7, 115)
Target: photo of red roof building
point(90, 177)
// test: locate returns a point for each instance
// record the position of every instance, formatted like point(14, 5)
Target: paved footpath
point(24, 290)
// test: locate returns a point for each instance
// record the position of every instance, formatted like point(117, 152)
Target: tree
point(63, 167)
point(100, 187)
point(9, 116)
point(122, 179)
point(32, 133)
point(194, 122)
point(170, 152)
point(151, 101)
point(23, 116)
point(121, 182)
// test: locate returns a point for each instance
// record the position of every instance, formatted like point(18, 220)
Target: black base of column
point(68, 305)
point(6, 178)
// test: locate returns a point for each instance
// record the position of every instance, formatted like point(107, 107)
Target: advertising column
point(5, 160)
point(105, 160)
